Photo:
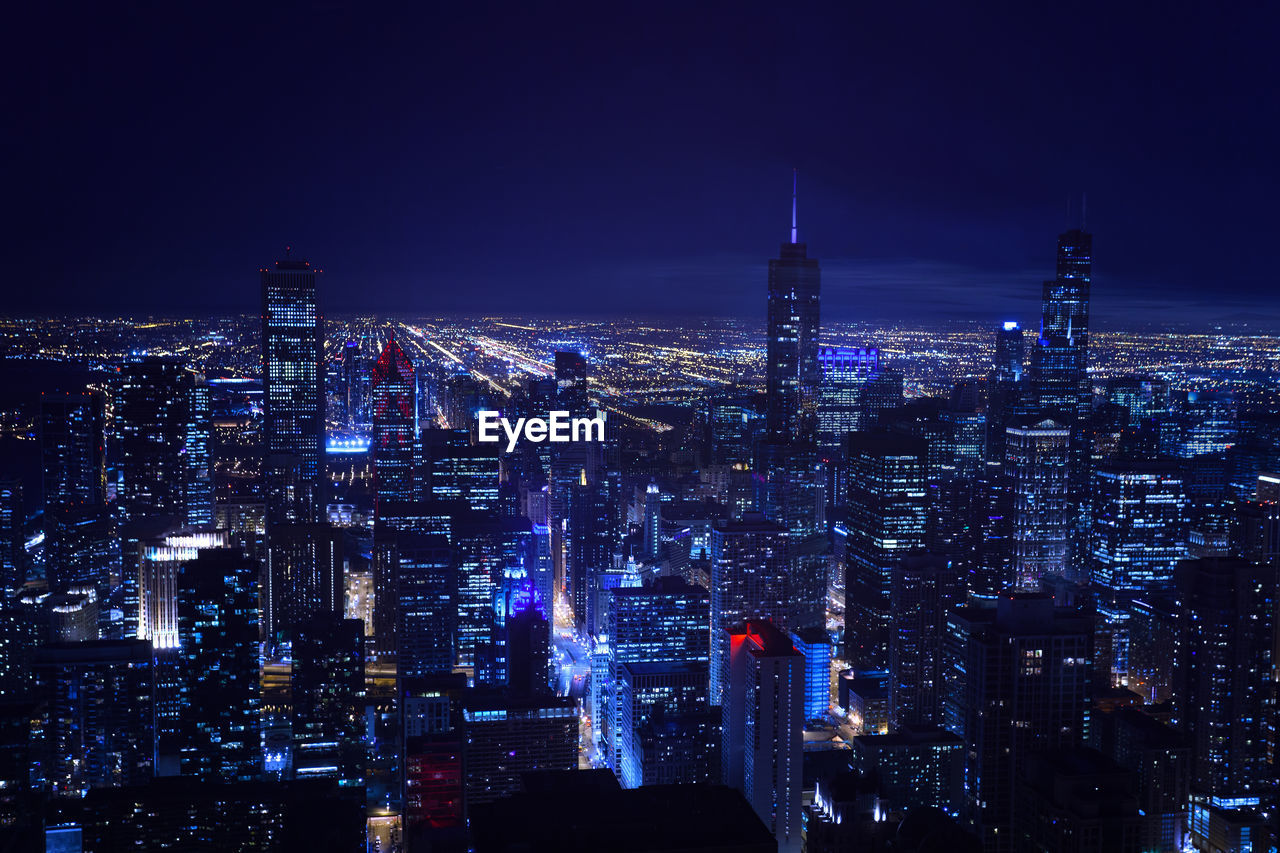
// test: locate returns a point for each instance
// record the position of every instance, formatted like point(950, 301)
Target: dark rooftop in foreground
point(591, 812)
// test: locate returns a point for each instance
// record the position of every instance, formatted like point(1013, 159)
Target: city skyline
point(533, 500)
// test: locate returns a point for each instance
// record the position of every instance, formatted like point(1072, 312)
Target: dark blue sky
point(636, 157)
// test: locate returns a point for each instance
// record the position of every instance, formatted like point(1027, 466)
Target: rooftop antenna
point(287, 250)
point(793, 206)
point(1084, 211)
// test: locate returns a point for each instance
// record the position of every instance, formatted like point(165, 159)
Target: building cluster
point(1037, 612)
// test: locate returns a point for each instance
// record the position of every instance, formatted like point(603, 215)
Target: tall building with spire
point(293, 392)
point(792, 347)
point(395, 424)
point(1061, 360)
point(1060, 384)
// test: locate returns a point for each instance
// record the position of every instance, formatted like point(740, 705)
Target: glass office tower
point(292, 392)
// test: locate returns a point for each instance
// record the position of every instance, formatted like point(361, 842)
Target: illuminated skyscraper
point(13, 519)
point(158, 572)
point(354, 379)
point(162, 419)
point(509, 737)
point(675, 689)
point(1005, 386)
point(220, 673)
point(102, 728)
point(1010, 353)
point(815, 643)
point(734, 421)
point(1060, 365)
point(763, 727)
point(426, 587)
point(1037, 460)
point(304, 577)
point(749, 564)
point(791, 350)
point(844, 370)
point(460, 470)
point(1205, 422)
point(886, 521)
point(73, 452)
point(666, 622)
point(485, 546)
point(590, 536)
point(395, 424)
point(652, 521)
point(1223, 657)
point(1143, 397)
point(327, 693)
point(293, 393)
point(1061, 389)
point(78, 529)
point(1139, 526)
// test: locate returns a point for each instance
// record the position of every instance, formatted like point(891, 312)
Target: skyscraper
point(354, 379)
point(221, 739)
point(886, 521)
point(844, 370)
point(158, 571)
point(926, 589)
point(1037, 464)
point(1061, 389)
point(1060, 365)
point(1005, 386)
point(426, 587)
point(73, 457)
point(458, 469)
point(293, 393)
point(73, 451)
point(763, 727)
point(1139, 526)
point(1223, 655)
point(485, 545)
point(162, 418)
point(590, 537)
point(749, 562)
point(101, 730)
point(509, 737)
point(571, 382)
point(13, 520)
point(304, 577)
point(395, 424)
point(328, 699)
point(673, 689)
point(1019, 680)
point(791, 351)
point(664, 622)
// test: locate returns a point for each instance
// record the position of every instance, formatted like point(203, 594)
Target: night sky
point(635, 158)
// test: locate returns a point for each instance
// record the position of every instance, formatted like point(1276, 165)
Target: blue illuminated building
point(666, 622)
point(817, 647)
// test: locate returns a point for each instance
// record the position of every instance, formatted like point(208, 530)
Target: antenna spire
point(1084, 211)
point(793, 206)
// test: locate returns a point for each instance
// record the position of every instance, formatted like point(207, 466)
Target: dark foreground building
point(193, 816)
point(601, 815)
